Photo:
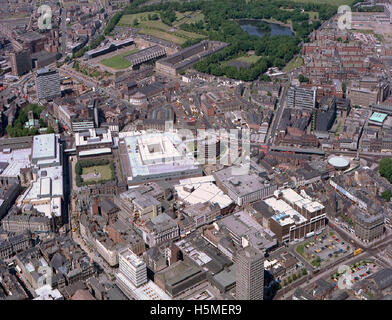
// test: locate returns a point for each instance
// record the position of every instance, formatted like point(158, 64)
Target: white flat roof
point(47, 293)
point(204, 190)
point(285, 214)
point(147, 291)
point(94, 151)
point(49, 207)
point(91, 137)
point(46, 186)
point(157, 153)
point(293, 197)
point(131, 257)
point(17, 159)
point(44, 146)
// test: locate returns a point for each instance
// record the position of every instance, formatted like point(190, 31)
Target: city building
point(244, 188)
point(145, 55)
point(244, 231)
point(249, 274)
point(295, 217)
point(301, 98)
point(188, 56)
point(110, 47)
point(15, 244)
point(93, 142)
point(46, 190)
point(132, 267)
point(47, 84)
point(324, 117)
point(157, 230)
point(20, 63)
point(180, 277)
point(156, 156)
point(368, 227)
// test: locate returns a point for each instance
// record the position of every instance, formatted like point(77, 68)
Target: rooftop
point(16, 159)
point(378, 117)
point(44, 146)
point(285, 214)
point(201, 190)
point(154, 154)
point(132, 258)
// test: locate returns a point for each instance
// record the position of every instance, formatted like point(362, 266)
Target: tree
point(386, 194)
point(135, 22)
point(385, 168)
point(344, 88)
point(50, 129)
point(302, 78)
point(304, 272)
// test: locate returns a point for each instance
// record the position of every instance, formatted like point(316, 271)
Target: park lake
point(250, 26)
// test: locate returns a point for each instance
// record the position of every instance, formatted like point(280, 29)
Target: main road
point(272, 129)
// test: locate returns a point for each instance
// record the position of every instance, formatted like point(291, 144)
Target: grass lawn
point(316, 262)
point(188, 17)
point(313, 14)
point(127, 20)
point(249, 59)
point(364, 31)
point(118, 62)
point(294, 63)
point(301, 250)
point(105, 171)
point(157, 28)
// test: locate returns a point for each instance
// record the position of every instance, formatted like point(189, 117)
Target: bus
point(357, 251)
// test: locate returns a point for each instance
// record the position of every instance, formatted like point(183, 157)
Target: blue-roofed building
point(377, 118)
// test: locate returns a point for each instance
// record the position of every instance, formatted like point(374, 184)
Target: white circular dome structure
point(339, 163)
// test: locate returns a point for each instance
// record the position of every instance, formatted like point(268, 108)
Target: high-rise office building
point(132, 267)
point(250, 274)
point(47, 83)
point(301, 98)
point(20, 62)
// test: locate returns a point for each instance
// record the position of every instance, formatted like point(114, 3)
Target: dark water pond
point(276, 29)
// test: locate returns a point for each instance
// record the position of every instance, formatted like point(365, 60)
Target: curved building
point(339, 163)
